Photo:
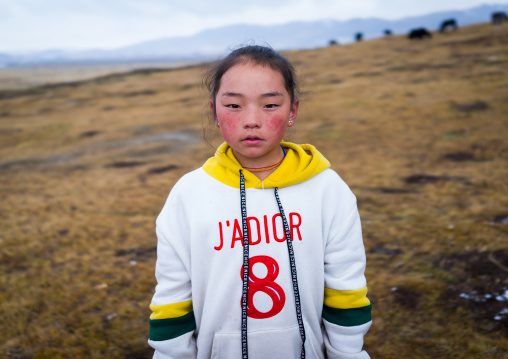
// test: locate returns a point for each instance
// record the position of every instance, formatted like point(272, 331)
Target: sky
point(93, 24)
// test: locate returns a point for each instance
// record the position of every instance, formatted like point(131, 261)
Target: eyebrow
point(236, 94)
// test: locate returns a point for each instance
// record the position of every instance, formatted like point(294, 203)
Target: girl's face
point(254, 109)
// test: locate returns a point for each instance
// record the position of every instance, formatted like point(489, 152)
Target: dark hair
point(259, 55)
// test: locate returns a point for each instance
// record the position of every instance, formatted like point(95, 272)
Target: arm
point(346, 309)
point(172, 323)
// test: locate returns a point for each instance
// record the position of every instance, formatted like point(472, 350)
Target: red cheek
point(229, 120)
point(276, 123)
point(228, 124)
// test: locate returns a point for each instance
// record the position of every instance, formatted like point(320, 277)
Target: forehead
point(250, 77)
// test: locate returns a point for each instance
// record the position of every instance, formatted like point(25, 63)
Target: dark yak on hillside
point(419, 33)
point(359, 36)
point(388, 32)
point(499, 17)
point(449, 23)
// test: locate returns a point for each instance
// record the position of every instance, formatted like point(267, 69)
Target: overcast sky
point(85, 24)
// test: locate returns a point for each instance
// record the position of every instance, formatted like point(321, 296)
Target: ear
point(212, 108)
point(214, 115)
point(293, 112)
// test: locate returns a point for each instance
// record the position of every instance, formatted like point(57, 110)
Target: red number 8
point(265, 285)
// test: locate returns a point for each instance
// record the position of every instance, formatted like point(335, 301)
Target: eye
point(271, 105)
point(233, 106)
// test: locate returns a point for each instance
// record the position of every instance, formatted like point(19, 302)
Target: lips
point(252, 140)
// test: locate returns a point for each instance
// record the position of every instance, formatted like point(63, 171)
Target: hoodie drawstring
point(245, 274)
point(293, 273)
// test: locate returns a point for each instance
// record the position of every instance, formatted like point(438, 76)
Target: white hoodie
point(197, 309)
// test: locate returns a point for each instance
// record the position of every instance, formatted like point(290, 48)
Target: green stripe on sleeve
point(165, 329)
point(347, 317)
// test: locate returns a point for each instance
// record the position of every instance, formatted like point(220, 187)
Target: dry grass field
point(30, 76)
point(418, 129)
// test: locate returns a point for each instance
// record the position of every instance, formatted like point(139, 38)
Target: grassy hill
point(418, 129)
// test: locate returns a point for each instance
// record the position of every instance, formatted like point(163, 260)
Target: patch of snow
point(503, 297)
point(502, 314)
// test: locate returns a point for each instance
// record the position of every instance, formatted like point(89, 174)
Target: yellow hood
point(301, 163)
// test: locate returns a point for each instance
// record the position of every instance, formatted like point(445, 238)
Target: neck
point(263, 175)
point(263, 171)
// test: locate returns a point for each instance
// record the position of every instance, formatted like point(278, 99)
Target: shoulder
point(183, 194)
point(190, 180)
point(194, 187)
point(331, 190)
point(331, 181)
point(329, 175)
point(186, 186)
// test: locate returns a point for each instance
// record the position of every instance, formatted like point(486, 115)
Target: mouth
point(252, 140)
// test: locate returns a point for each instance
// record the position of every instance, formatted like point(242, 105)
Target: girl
point(260, 250)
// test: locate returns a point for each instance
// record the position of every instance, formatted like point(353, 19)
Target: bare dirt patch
point(90, 133)
point(140, 254)
point(390, 190)
point(459, 156)
point(500, 219)
point(406, 297)
point(140, 93)
point(481, 287)
point(159, 170)
point(425, 179)
point(471, 106)
point(126, 164)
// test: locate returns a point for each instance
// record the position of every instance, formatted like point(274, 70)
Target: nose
point(251, 118)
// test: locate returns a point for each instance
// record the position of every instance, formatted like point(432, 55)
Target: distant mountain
point(210, 44)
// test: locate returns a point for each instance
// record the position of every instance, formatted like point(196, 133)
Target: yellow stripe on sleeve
point(346, 299)
point(174, 310)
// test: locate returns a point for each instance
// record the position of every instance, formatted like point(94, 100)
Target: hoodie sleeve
point(172, 323)
point(346, 308)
